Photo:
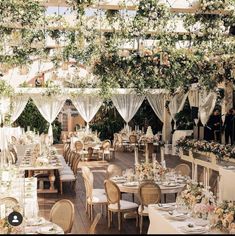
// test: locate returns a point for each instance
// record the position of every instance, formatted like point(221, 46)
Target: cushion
point(145, 211)
point(98, 191)
point(67, 177)
point(101, 198)
point(124, 205)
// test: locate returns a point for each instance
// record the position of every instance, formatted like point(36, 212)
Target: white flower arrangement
point(199, 198)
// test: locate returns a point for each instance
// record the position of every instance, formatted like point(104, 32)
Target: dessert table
point(162, 223)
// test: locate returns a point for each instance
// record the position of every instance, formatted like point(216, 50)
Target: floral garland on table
point(222, 152)
point(225, 217)
point(198, 198)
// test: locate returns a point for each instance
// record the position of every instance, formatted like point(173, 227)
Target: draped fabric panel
point(49, 108)
point(206, 106)
point(87, 106)
point(193, 98)
point(19, 103)
point(157, 102)
point(127, 105)
point(177, 104)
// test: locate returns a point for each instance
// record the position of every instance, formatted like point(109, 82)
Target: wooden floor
point(82, 222)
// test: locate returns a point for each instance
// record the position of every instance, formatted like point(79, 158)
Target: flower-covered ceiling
point(122, 44)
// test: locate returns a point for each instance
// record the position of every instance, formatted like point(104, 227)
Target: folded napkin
point(193, 229)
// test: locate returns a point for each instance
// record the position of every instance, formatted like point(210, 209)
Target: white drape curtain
point(49, 108)
point(87, 106)
point(193, 98)
point(206, 106)
point(157, 102)
point(177, 104)
point(127, 105)
point(18, 103)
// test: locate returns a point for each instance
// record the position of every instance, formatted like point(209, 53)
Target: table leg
point(52, 179)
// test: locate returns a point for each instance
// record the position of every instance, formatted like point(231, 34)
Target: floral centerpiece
point(200, 199)
point(147, 171)
point(144, 171)
point(225, 217)
point(6, 228)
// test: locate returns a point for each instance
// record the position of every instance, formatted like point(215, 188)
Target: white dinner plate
point(36, 222)
point(193, 230)
point(131, 184)
point(177, 216)
point(170, 185)
point(165, 207)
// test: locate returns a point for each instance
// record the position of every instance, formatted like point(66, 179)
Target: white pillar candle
point(162, 154)
point(136, 156)
point(147, 153)
point(154, 156)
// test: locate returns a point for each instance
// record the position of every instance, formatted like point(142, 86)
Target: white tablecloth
point(21, 148)
point(177, 135)
point(226, 184)
point(160, 224)
point(6, 133)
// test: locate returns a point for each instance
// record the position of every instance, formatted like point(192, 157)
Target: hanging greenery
point(160, 56)
point(5, 89)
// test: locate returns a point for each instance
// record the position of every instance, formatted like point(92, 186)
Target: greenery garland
point(161, 65)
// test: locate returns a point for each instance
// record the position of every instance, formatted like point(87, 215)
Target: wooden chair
point(149, 193)
point(66, 149)
point(78, 146)
point(88, 175)
point(113, 170)
point(105, 149)
point(116, 205)
point(68, 175)
point(90, 153)
point(95, 222)
point(92, 198)
point(13, 140)
point(11, 204)
point(14, 152)
point(184, 169)
point(62, 214)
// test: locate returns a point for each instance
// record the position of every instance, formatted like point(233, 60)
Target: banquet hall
point(117, 117)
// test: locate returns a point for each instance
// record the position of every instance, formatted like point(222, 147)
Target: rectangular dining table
point(160, 224)
point(50, 168)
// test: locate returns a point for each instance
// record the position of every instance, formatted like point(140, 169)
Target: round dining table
point(124, 187)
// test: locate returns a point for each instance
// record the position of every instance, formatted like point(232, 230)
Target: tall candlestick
point(162, 154)
point(147, 153)
point(136, 156)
